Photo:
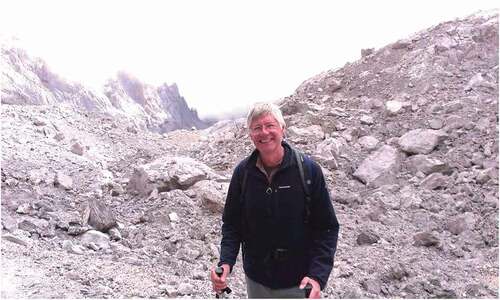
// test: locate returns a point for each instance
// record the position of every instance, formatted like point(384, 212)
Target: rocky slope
point(407, 137)
point(29, 81)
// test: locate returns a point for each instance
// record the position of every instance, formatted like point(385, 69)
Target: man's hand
point(316, 289)
point(219, 283)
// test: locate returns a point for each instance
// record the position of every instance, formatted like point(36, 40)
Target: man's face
point(266, 133)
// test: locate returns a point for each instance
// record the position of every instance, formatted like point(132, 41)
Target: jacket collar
point(287, 159)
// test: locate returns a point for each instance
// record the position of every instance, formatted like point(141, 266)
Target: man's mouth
point(265, 141)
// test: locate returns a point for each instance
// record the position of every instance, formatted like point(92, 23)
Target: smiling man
point(279, 210)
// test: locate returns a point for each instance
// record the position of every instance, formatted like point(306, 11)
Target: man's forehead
point(264, 118)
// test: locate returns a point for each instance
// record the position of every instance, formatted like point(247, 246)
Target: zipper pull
point(269, 191)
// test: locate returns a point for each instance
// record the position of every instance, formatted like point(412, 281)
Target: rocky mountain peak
point(30, 81)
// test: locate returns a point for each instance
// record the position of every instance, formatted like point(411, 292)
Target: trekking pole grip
point(219, 271)
point(308, 289)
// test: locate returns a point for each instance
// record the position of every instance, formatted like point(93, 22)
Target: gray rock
point(25, 209)
point(39, 122)
point(15, 239)
point(77, 149)
point(367, 52)
point(476, 290)
point(397, 272)
point(367, 238)
point(173, 217)
point(484, 175)
point(434, 181)
point(376, 214)
point(188, 254)
point(327, 152)
point(71, 248)
point(9, 223)
point(454, 122)
point(426, 165)
point(116, 189)
point(461, 223)
point(99, 215)
point(313, 133)
point(185, 288)
point(380, 167)
point(63, 180)
point(368, 142)
point(37, 176)
point(93, 238)
point(343, 198)
point(65, 219)
point(169, 289)
point(436, 124)
point(401, 44)
point(366, 119)
point(59, 136)
point(421, 141)
point(425, 239)
point(78, 229)
point(491, 200)
point(373, 286)
point(452, 106)
point(169, 173)
point(114, 234)
point(334, 85)
point(38, 226)
point(483, 124)
point(393, 107)
point(478, 81)
point(212, 194)
point(477, 158)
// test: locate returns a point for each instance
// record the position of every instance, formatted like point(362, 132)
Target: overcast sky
point(222, 54)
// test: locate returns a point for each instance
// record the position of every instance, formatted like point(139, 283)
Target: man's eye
point(258, 128)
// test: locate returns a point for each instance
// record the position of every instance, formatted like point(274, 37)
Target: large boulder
point(380, 167)
point(327, 152)
point(99, 216)
point(169, 173)
point(421, 141)
point(212, 194)
point(306, 135)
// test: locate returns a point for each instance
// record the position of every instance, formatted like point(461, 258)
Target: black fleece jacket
point(270, 216)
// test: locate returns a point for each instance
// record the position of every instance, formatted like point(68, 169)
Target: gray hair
point(263, 108)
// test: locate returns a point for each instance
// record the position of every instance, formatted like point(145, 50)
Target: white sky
point(222, 54)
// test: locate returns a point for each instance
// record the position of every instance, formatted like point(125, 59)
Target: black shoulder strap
point(300, 163)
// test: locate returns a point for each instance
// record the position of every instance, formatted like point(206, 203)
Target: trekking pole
point(219, 271)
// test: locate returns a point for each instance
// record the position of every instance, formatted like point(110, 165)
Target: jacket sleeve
point(231, 221)
point(325, 229)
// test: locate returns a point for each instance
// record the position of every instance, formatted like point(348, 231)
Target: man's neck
point(274, 158)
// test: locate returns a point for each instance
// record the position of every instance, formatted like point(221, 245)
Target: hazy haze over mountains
point(222, 54)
